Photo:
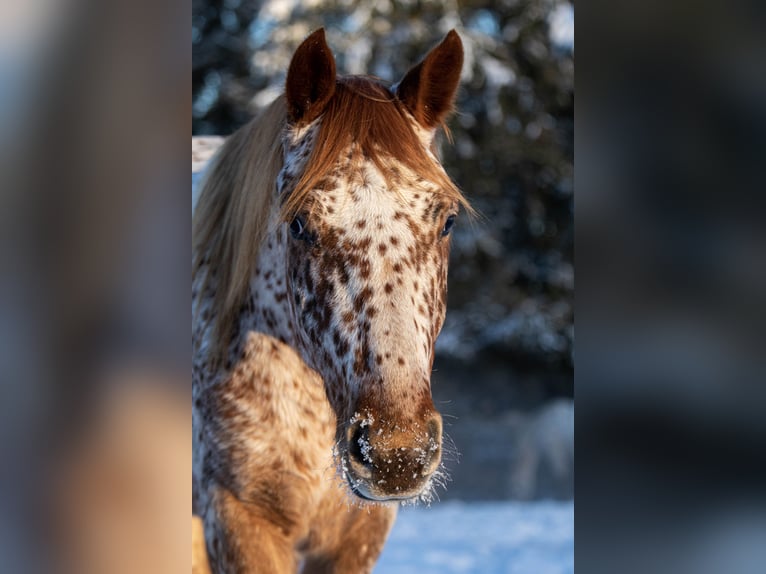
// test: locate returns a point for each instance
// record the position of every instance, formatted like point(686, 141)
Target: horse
point(319, 277)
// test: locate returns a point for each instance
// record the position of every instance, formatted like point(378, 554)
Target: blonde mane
point(232, 214)
point(231, 218)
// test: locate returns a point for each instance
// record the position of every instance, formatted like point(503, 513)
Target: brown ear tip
point(453, 37)
point(316, 37)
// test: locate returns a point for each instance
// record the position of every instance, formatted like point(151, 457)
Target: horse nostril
point(359, 446)
point(434, 428)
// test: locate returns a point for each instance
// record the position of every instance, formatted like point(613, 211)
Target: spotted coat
point(320, 418)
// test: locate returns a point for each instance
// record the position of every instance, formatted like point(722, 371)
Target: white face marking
point(369, 285)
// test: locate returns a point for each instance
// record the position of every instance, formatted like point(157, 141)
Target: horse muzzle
point(386, 461)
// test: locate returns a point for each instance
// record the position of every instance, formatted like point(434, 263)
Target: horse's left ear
point(428, 89)
point(310, 79)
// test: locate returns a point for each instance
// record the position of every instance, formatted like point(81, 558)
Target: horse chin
point(361, 489)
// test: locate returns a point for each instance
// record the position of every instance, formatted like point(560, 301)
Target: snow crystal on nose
point(365, 448)
point(363, 421)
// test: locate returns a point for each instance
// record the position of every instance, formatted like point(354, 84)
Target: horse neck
point(269, 309)
point(269, 306)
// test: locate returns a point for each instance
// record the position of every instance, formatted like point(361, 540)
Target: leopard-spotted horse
point(319, 276)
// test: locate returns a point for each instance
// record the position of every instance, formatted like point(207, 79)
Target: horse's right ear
point(310, 79)
point(428, 89)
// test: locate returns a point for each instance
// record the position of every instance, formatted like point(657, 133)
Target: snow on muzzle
point(392, 459)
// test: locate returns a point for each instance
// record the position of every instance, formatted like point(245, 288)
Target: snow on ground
point(487, 538)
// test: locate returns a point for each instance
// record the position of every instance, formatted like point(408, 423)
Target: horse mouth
point(360, 490)
point(365, 484)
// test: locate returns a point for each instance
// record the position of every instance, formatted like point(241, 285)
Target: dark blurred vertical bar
point(94, 284)
point(670, 370)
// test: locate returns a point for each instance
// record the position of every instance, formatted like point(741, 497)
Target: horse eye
point(448, 225)
point(298, 228)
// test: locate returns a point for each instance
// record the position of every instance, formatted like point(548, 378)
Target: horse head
point(367, 211)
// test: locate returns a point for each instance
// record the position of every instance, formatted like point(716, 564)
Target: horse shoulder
point(269, 433)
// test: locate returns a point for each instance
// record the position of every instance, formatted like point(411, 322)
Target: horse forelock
point(364, 113)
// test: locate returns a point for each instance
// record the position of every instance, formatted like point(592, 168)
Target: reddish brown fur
point(311, 79)
point(428, 89)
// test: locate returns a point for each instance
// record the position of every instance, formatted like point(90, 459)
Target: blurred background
point(504, 370)
point(96, 113)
